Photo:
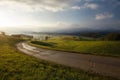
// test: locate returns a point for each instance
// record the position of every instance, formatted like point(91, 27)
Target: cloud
point(88, 0)
point(13, 6)
point(49, 5)
point(103, 16)
point(118, 21)
point(86, 5)
point(91, 6)
point(76, 7)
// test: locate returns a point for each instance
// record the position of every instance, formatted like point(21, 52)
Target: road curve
point(107, 66)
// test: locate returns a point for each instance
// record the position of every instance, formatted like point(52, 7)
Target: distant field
point(104, 48)
point(15, 65)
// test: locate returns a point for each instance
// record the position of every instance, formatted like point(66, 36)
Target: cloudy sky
point(50, 15)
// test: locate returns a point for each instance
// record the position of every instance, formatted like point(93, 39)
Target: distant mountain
point(83, 32)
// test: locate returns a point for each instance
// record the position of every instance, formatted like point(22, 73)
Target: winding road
point(107, 66)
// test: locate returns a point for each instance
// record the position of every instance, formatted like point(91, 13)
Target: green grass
point(104, 48)
point(15, 65)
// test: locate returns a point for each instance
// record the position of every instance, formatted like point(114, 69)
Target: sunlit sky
point(50, 15)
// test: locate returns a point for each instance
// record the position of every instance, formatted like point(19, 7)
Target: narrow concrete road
point(107, 66)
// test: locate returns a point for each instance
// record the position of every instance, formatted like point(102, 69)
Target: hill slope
point(16, 66)
point(104, 48)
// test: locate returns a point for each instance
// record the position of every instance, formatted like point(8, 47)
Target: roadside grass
point(15, 65)
point(102, 48)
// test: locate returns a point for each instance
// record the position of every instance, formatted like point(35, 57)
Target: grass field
point(15, 65)
point(104, 48)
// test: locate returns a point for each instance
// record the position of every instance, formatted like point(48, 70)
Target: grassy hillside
point(15, 65)
point(105, 48)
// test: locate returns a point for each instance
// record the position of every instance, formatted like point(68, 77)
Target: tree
point(46, 37)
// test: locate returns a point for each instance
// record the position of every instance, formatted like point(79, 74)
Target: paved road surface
point(103, 65)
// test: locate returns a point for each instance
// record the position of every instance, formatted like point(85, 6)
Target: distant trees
point(91, 34)
point(112, 37)
point(23, 36)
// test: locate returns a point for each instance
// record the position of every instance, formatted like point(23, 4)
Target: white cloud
point(46, 5)
point(14, 6)
point(49, 5)
point(104, 16)
point(76, 7)
point(91, 6)
point(86, 5)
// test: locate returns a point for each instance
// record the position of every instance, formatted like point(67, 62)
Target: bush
point(42, 43)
